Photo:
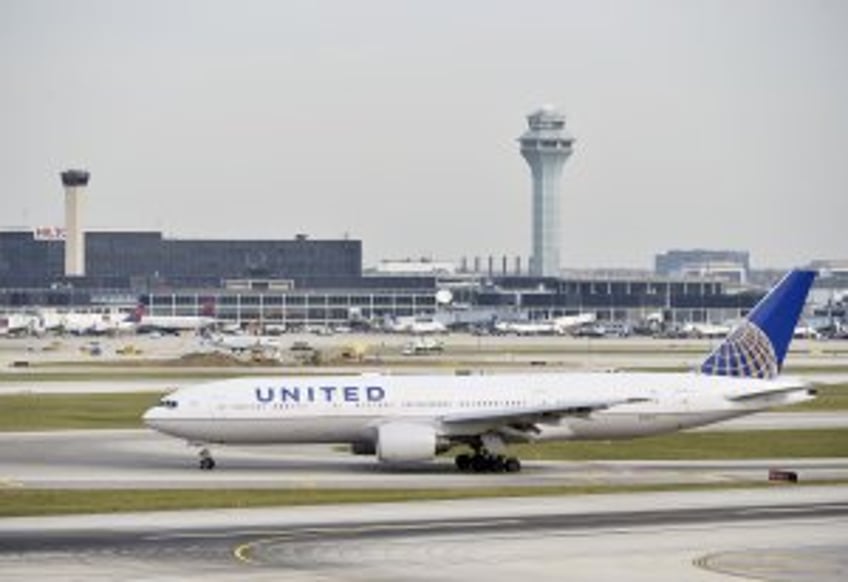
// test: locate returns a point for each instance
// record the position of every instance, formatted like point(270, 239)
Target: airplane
point(543, 327)
point(417, 325)
point(169, 323)
point(79, 323)
point(559, 326)
point(570, 323)
point(404, 419)
point(16, 324)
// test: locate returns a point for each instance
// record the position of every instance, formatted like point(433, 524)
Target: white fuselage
point(348, 409)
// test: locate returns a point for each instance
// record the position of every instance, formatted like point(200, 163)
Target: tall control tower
point(546, 146)
point(75, 182)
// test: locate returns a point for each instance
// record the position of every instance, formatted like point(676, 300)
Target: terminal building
point(733, 266)
point(302, 281)
point(321, 282)
point(147, 260)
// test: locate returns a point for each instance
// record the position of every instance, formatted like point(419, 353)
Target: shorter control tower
point(546, 145)
point(74, 182)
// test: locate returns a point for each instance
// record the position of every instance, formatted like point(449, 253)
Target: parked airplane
point(107, 321)
point(169, 323)
point(15, 324)
point(559, 325)
point(79, 323)
point(542, 327)
point(417, 325)
point(413, 418)
point(570, 323)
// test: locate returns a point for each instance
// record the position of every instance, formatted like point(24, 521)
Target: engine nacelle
point(363, 448)
point(405, 441)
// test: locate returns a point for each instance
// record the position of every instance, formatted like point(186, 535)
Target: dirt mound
point(219, 360)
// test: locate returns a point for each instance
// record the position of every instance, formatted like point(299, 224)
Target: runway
point(106, 459)
point(778, 534)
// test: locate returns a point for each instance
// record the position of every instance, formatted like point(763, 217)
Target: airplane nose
point(151, 417)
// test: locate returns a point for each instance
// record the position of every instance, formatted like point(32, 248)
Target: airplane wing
point(533, 414)
point(743, 396)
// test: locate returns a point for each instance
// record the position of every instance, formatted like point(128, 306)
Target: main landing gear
point(484, 462)
point(488, 457)
point(207, 463)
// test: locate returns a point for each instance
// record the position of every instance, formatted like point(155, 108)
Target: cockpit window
point(168, 403)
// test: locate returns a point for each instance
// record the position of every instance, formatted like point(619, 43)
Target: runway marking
point(188, 536)
point(243, 551)
point(249, 552)
point(782, 510)
point(201, 535)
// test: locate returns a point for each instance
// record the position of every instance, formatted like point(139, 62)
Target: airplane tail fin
point(137, 314)
point(757, 347)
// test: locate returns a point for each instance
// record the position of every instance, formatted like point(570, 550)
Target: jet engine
point(363, 448)
point(406, 441)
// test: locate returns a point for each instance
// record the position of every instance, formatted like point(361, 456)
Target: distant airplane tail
point(757, 347)
point(136, 314)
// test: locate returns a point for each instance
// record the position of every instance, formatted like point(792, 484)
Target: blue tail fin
point(756, 347)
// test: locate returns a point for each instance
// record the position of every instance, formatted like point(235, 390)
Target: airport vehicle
point(806, 331)
point(706, 330)
point(238, 343)
point(301, 346)
point(414, 418)
point(423, 345)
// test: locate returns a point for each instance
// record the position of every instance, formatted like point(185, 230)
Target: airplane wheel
point(463, 462)
point(497, 464)
point(479, 464)
point(512, 465)
point(207, 463)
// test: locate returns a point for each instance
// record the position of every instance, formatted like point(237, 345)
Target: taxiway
point(779, 534)
point(104, 459)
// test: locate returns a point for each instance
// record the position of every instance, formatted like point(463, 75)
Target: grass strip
point(830, 398)
point(106, 374)
point(754, 444)
point(36, 502)
point(31, 412)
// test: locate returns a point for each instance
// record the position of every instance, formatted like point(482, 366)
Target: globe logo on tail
point(747, 352)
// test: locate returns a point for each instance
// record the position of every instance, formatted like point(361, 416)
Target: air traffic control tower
point(74, 182)
point(546, 146)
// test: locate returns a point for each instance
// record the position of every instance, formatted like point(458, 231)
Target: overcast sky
point(718, 124)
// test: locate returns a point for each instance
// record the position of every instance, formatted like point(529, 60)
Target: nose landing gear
point(207, 463)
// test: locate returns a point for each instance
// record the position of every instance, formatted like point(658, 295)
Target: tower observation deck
point(546, 145)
